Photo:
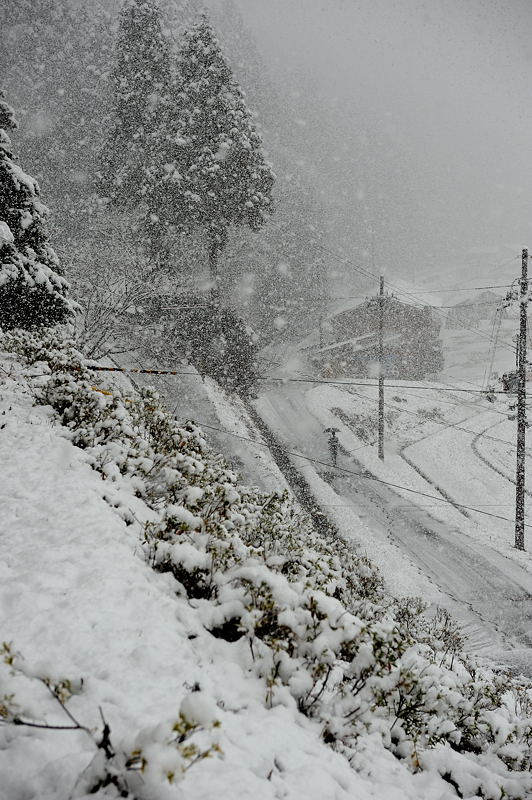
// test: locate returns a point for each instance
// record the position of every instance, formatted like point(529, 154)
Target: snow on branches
point(226, 180)
point(321, 633)
point(33, 291)
point(183, 152)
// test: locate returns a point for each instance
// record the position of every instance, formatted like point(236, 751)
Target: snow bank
point(98, 641)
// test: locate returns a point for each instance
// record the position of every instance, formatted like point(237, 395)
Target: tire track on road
point(487, 462)
point(424, 475)
point(491, 604)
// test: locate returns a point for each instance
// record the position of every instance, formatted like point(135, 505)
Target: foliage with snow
point(55, 63)
point(225, 179)
point(33, 291)
point(215, 340)
point(135, 152)
point(319, 632)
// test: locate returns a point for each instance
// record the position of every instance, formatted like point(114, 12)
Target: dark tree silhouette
point(225, 180)
point(33, 291)
point(134, 157)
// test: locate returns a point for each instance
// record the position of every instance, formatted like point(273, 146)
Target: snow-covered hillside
point(79, 603)
point(169, 633)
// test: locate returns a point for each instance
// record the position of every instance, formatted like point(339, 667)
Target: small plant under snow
point(311, 614)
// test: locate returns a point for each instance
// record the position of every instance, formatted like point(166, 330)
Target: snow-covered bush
point(320, 631)
point(155, 754)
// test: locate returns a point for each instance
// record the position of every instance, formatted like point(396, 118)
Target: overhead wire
point(444, 424)
point(431, 291)
point(466, 288)
point(372, 276)
point(456, 403)
point(480, 389)
point(273, 378)
point(367, 383)
point(363, 475)
point(324, 463)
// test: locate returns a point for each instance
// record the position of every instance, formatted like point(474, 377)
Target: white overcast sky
point(417, 121)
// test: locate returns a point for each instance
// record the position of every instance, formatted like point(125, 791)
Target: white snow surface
point(5, 233)
point(423, 545)
point(78, 601)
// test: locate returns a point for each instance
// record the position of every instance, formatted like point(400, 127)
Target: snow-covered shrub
point(321, 632)
point(140, 762)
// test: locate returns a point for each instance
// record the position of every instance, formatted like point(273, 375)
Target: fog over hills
point(415, 116)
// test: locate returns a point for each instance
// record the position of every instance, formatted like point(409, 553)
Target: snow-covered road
point(449, 557)
point(490, 594)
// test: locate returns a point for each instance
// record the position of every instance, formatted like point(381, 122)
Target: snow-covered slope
point(78, 602)
point(119, 679)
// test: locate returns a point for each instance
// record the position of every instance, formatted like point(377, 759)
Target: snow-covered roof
point(358, 343)
point(474, 298)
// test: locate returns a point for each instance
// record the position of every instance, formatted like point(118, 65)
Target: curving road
point(489, 594)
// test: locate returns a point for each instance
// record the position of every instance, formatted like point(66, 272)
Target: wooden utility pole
point(381, 370)
point(521, 408)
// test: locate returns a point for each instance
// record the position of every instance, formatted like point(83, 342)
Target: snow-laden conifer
point(134, 155)
point(225, 178)
point(32, 288)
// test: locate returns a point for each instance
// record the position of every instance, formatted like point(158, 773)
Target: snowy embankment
point(223, 417)
point(79, 603)
point(169, 633)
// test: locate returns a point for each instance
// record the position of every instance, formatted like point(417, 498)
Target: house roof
point(483, 298)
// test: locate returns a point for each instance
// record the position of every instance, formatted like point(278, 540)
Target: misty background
point(415, 117)
point(399, 130)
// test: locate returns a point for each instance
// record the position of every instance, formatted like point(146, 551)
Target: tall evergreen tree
point(224, 179)
point(134, 156)
point(178, 16)
point(32, 288)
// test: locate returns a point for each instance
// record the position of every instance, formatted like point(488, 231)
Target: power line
point(97, 368)
point(456, 402)
point(314, 460)
point(463, 403)
point(430, 291)
point(461, 306)
point(446, 316)
point(444, 424)
point(411, 505)
point(372, 276)
point(466, 289)
point(389, 385)
point(361, 474)
point(138, 371)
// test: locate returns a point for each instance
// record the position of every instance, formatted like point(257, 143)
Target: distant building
point(411, 351)
point(469, 312)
